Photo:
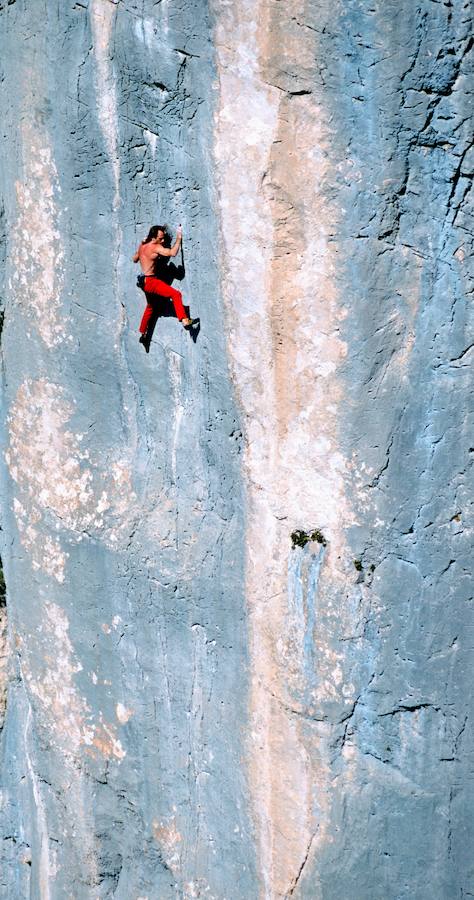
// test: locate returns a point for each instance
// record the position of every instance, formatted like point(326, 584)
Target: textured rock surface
point(194, 707)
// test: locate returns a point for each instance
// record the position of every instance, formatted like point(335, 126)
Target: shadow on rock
point(195, 329)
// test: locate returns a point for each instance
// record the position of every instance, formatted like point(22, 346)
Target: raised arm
point(174, 250)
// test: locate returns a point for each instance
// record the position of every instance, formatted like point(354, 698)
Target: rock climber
point(150, 253)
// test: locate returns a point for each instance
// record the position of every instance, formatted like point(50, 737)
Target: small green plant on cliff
point(300, 538)
point(358, 565)
point(318, 536)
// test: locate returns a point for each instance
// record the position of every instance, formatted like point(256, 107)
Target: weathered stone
point(198, 704)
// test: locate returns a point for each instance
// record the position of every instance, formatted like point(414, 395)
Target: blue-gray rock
point(238, 591)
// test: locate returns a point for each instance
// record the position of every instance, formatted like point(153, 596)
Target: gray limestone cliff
point(196, 700)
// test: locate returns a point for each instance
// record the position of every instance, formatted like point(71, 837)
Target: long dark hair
point(153, 233)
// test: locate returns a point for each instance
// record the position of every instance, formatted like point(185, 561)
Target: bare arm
point(136, 256)
point(174, 250)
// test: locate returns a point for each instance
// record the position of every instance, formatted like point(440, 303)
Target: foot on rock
point(145, 340)
point(190, 323)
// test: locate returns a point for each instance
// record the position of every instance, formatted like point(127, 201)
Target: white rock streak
point(102, 13)
point(44, 861)
point(284, 349)
point(175, 363)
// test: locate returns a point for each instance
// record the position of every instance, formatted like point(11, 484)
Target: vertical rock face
point(123, 750)
point(350, 167)
point(199, 704)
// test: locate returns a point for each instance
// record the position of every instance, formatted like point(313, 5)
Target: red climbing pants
point(158, 288)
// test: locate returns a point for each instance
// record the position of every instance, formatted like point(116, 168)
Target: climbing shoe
point(146, 341)
point(191, 324)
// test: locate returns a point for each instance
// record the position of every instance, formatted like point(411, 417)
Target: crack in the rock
point(299, 874)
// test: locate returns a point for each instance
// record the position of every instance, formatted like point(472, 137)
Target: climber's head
point(157, 232)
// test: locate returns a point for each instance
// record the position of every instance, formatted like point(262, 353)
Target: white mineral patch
point(168, 837)
point(50, 667)
point(151, 139)
point(56, 478)
point(123, 714)
point(36, 245)
point(54, 686)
